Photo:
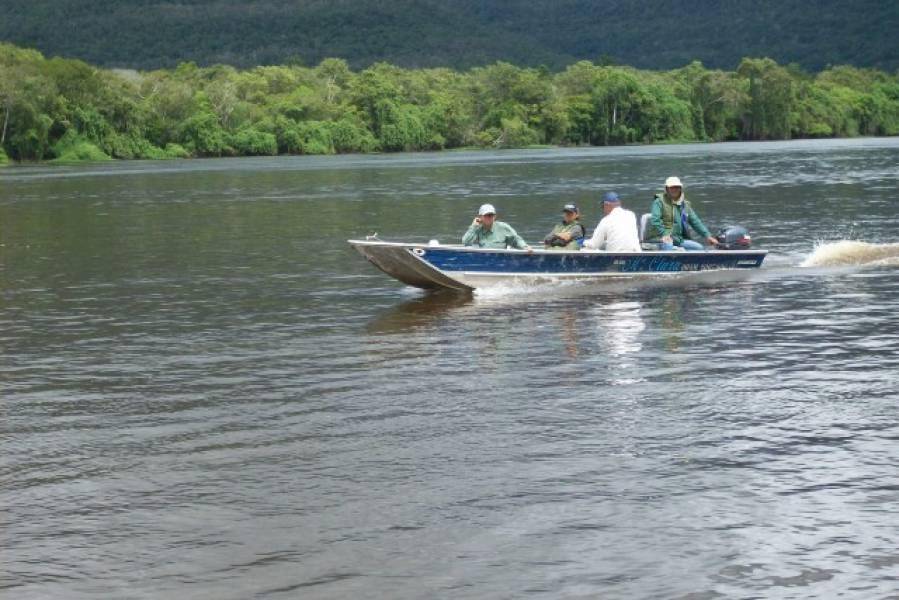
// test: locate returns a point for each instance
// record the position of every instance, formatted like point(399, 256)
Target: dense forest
point(66, 109)
point(461, 34)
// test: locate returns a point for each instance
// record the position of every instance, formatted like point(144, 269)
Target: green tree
point(375, 93)
point(619, 100)
point(768, 112)
point(716, 100)
point(349, 134)
point(201, 133)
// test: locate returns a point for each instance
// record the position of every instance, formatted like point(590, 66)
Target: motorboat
point(434, 265)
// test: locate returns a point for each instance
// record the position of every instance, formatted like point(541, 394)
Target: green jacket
point(574, 228)
point(500, 235)
point(671, 219)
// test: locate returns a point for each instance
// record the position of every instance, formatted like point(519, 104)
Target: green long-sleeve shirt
point(500, 235)
point(671, 219)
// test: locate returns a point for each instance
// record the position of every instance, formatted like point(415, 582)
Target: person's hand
point(565, 237)
point(477, 221)
point(667, 239)
point(528, 249)
point(711, 240)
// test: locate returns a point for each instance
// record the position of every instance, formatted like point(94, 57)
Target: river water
point(207, 393)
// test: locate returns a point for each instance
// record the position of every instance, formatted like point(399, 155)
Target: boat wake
point(825, 256)
point(531, 291)
point(852, 253)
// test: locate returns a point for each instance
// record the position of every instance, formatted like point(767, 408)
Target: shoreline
point(9, 163)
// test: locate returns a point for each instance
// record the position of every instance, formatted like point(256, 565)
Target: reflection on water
point(422, 310)
point(675, 309)
point(620, 328)
point(570, 331)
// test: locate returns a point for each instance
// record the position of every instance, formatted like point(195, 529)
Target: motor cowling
point(733, 237)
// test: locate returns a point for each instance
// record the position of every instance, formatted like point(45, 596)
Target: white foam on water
point(552, 290)
point(851, 253)
point(524, 289)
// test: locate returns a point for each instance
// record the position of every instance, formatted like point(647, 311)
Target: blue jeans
point(687, 245)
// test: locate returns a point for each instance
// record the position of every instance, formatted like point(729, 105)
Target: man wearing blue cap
point(617, 232)
point(567, 234)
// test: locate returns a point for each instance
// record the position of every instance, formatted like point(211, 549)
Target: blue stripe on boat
point(450, 260)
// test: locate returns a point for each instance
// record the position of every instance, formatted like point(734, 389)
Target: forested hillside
point(652, 34)
point(67, 109)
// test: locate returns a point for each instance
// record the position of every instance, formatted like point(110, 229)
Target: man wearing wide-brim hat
point(671, 216)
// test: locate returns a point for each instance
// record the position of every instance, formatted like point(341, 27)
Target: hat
point(673, 182)
point(572, 208)
point(486, 209)
point(611, 198)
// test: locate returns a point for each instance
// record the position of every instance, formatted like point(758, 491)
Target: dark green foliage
point(67, 109)
point(152, 34)
point(71, 147)
point(401, 127)
point(174, 151)
point(202, 134)
point(771, 99)
point(312, 137)
point(350, 135)
point(252, 142)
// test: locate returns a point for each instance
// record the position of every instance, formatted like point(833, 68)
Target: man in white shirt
point(617, 232)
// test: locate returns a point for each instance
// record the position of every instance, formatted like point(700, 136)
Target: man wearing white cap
point(671, 214)
point(486, 232)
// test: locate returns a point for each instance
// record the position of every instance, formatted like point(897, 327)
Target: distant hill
point(651, 34)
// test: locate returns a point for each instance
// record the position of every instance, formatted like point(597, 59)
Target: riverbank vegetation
point(68, 110)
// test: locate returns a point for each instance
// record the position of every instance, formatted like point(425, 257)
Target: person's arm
point(700, 228)
point(656, 220)
point(591, 243)
point(571, 233)
point(577, 232)
point(551, 236)
point(600, 236)
point(588, 243)
point(471, 236)
point(515, 240)
point(697, 224)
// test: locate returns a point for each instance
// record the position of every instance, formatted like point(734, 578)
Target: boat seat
point(644, 224)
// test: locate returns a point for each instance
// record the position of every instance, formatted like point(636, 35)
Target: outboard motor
point(733, 237)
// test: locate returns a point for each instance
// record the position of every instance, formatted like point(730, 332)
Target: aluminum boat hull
point(466, 268)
